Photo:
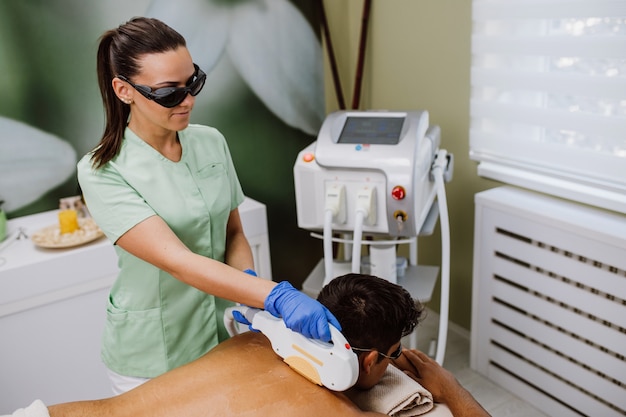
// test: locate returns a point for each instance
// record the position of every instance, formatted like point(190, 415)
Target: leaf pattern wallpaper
point(264, 91)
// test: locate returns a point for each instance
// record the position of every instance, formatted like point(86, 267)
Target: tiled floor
point(497, 401)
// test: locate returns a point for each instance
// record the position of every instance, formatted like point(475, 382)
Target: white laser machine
point(375, 179)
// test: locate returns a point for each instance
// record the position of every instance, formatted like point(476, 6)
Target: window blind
point(548, 100)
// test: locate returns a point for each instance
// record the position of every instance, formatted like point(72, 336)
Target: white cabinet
point(548, 310)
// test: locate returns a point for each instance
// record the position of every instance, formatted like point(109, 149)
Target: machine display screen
point(372, 130)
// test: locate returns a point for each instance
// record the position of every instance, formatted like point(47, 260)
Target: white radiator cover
point(549, 302)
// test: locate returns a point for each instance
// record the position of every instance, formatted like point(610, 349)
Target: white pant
point(122, 383)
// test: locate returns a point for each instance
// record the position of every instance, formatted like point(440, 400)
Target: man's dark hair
point(374, 313)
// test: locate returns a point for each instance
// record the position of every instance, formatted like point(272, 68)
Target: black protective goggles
point(394, 355)
point(171, 96)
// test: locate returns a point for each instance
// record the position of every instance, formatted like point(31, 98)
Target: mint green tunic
point(154, 321)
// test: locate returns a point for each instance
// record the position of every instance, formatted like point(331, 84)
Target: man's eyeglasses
point(394, 355)
point(171, 96)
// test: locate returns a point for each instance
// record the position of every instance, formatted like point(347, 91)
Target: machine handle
point(233, 327)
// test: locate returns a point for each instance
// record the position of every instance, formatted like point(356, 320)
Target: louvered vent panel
point(549, 302)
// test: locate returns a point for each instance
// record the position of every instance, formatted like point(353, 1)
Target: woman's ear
point(122, 90)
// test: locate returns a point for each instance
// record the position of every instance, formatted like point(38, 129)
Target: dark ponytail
point(118, 54)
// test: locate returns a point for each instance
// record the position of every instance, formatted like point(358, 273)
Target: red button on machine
point(398, 192)
point(308, 157)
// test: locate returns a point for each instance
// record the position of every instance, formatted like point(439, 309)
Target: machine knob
point(400, 217)
point(398, 192)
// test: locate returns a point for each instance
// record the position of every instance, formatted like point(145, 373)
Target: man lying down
point(244, 377)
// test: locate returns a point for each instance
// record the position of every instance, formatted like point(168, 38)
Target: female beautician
point(166, 193)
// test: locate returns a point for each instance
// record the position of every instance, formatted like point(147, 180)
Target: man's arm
point(441, 383)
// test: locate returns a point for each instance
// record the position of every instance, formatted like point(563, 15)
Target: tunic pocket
point(133, 342)
point(214, 168)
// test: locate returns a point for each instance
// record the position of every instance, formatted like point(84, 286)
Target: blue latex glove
point(240, 318)
point(243, 320)
point(300, 312)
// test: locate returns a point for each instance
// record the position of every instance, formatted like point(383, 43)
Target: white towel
point(36, 409)
point(396, 394)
